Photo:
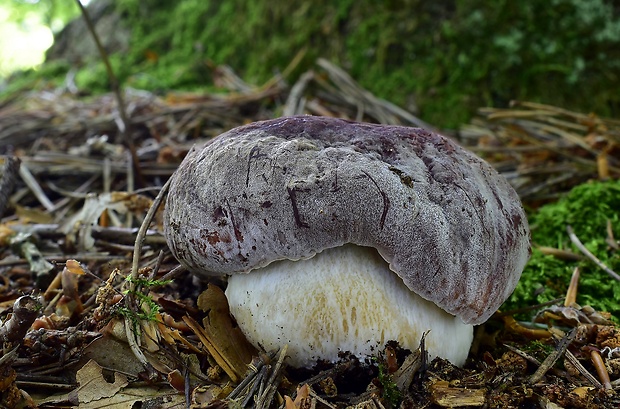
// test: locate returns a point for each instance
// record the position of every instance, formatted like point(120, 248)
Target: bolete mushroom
point(341, 236)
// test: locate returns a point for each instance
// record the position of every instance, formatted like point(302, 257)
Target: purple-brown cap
point(443, 219)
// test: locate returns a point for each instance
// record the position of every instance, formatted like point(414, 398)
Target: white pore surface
point(343, 299)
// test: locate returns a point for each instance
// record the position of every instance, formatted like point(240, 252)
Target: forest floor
point(80, 277)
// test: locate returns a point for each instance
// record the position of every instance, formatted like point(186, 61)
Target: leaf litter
point(95, 331)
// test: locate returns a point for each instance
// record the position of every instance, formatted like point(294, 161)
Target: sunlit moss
point(448, 58)
point(26, 30)
point(586, 208)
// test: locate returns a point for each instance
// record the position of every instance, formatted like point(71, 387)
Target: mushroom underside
point(344, 299)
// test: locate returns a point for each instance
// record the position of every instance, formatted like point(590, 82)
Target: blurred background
point(440, 60)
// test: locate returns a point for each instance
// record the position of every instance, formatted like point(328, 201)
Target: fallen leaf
point(93, 385)
point(226, 337)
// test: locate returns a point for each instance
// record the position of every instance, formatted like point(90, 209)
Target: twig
point(523, 354)
point(120, 235)
point(516, 311)
point(264, 401)
point(129, 300)
point(553, 357)
point(582, 370)
point(258, 381)
point(133, 343)
point(257, 370)
point(23, 244)
point(9, 175)
point(279, 363)
point(9, 357)
point(25, 311)
point(295, 102)
point(365, 102)
point(172, 274)
point(589, 255)
point(124, 125)
point(34, 186)
point(63, 257)
point(143, 229)
point(332, 372)
point(601, 370)
point(610, 240)
point(160, 258)
point(571, 293)
point(533, 333)
point(320, 399)
point(561, 254)
point(122, 121)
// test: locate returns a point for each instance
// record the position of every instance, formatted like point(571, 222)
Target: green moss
point(586, 208)
point(537, 349)
point(391, 394)
point(450, 57)
point(49, 75)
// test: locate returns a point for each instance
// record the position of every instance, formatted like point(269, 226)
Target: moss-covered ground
point(587, 209)
point(447, 57)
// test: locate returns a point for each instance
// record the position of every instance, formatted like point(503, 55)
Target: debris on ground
point(95, 312)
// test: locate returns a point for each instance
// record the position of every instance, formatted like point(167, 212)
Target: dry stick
point(252, 375)
point(571, 293)
point(122, 123)
point(131, 335)
point(160, 258)
point(130, 184)
point(320, 399)
point(7, 183)
point(144, 228)
point(120, 235)
point(375, 399)
point(25, 311)
point(553, 357)
point(124, 126)
point(257, 382)
point(522, 354)
point(589, 255)
point(264, 401)
point(295, 102)
point(601, 370)
point(559, 253)
point(610, 240)
point(172, 274)
point(365, 101)
point(36, 189)
point(582, 370)
point(9, 357)
point(501, 314)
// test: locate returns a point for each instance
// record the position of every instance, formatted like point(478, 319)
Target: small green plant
point(147, 282)
point(148, 307)
point(391, 394)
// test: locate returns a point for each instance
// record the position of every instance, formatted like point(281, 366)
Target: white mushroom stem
point(343, 299)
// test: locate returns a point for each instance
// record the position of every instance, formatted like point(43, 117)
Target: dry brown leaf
point(225, 337)
point(93, 385)
point(114, 354)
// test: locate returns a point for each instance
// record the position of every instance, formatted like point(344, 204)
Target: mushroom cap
point(443, 219)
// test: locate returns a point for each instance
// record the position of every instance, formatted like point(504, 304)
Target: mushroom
point(340, 236)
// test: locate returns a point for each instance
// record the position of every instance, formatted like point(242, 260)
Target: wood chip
point(446, 396)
